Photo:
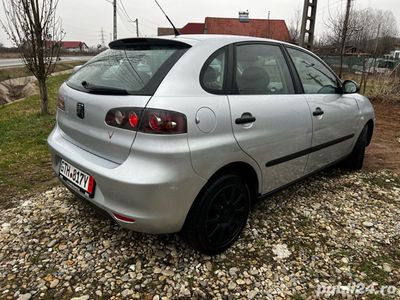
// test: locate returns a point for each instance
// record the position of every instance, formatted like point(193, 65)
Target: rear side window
point(136, 71)
point(212, 77)
point(314, 76)
point(261, 69)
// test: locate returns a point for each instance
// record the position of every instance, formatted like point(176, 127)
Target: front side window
point(125, 71)
point(314, 76)
point(261, 70)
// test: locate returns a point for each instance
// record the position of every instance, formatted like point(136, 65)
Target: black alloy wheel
point(356, 158)
point(218, 215)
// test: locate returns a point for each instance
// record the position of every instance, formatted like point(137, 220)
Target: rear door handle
point(318, 112)
point(245, 118)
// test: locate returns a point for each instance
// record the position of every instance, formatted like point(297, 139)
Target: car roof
point(196, 39)
point(200, 38)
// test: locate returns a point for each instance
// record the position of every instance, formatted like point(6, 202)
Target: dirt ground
point(384, 151)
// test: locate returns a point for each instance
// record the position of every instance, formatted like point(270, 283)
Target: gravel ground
point(334, 229)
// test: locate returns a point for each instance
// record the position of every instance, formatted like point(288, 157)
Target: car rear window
point(134, 70)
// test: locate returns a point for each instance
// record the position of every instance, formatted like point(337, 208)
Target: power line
point(150, 22)
point(148, 26)
point(153, 26)
point(124, 21)
point(123, 13)
point(124, 10)
point(329, 6)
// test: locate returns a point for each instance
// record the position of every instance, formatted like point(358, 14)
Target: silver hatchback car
point(184, 133)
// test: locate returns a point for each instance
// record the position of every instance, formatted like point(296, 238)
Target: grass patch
point(385, 181)
point(25, 165)
point(373, 272)
point(297, 296)
point(16, 72)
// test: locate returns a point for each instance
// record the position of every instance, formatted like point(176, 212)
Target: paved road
point(14, 62)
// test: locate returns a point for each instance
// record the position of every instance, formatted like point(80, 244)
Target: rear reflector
point(123, 218)
point(60, 102)
point(90, 185)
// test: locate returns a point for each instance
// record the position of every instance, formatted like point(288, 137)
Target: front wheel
point(356, 158)
point(219, 215)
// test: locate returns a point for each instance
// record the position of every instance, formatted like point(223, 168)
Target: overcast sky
point(83, 20)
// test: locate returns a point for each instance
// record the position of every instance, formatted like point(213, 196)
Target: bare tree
point(342, 26)
point(376, 32)
point(34, 29)
point(369, 30)
point(295, 26)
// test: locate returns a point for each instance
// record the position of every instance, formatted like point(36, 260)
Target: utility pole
point(102, 38)
point(115, 19)
point(344, 35)
point(137, 27)
point(269, 24)
point(308, 23)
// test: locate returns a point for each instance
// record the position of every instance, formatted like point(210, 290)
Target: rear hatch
point(125, 76)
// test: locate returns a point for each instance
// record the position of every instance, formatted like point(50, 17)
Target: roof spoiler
point(130, 43)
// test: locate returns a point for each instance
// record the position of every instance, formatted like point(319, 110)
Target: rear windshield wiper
point(103, 90)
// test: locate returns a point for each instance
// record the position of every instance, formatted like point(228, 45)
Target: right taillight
point(163, 122)
point(155, 121)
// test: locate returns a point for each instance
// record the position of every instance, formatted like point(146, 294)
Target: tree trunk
point(44, 102)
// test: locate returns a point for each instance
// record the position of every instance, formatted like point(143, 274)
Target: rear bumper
point(155, 188)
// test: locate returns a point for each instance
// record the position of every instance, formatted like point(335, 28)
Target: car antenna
point(176, 31)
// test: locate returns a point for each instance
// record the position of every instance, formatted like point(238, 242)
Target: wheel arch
point(243, 169)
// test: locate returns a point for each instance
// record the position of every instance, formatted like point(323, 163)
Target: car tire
point(356, 158)
point(218, 215)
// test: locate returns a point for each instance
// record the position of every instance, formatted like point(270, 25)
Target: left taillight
point(60, 102)
point(123, 117)
point(154, 121)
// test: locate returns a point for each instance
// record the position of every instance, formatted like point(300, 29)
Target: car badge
point(110, 134)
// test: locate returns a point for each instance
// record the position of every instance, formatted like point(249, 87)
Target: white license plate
point(83, 181)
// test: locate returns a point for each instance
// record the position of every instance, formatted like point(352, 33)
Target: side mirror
point(76, 68)
point(350, 87)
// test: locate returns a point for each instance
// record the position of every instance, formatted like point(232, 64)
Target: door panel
point(282, 127)
point(334, 115)
point(337, 126)
point(269, 121)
